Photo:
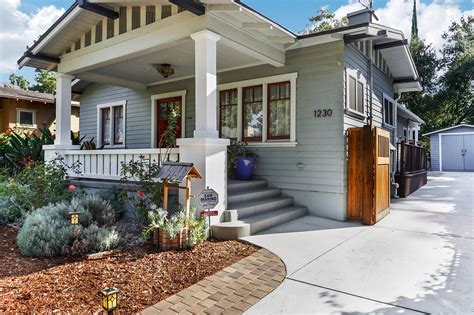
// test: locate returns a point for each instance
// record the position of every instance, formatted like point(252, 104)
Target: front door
point(169, 121)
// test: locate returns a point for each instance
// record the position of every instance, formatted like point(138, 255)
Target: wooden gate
point(368, 174)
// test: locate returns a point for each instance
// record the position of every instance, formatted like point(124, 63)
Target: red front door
point(166, 108)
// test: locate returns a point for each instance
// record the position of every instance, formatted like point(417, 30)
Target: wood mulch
point(143, 275)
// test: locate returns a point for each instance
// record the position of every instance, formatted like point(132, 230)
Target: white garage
point(452, 149)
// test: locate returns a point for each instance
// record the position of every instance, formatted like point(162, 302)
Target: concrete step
point(262, 193)
point(254, 207)
point(257, 223)
point(236, 186)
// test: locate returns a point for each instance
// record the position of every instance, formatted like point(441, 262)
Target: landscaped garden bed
point(143, 275)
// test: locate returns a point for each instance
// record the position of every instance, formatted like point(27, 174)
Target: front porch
point(167, 60)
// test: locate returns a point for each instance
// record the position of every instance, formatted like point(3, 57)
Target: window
point(259, 111)
point(388, 111)
point(355, 94)
point(279, 110)
point(228, 114)
point(111, 124)
point(252, 108)
point(26, 117)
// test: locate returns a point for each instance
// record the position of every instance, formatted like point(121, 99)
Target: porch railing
point(411, 158)
point(107, 164)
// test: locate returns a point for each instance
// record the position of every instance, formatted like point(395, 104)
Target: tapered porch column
point(63, 109)
point(206, 150)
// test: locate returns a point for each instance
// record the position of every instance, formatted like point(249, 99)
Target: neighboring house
point(28, 110)
point(452, 148)
point(235, 74)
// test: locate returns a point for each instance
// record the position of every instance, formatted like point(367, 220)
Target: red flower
point(72, 187)
point(141, 194)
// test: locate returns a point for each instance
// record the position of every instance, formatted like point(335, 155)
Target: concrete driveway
point(419, 259)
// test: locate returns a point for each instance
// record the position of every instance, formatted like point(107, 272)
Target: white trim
point(273, 144)
point(111, 105)
point(264, 82)
point(448, 128)
point(440, 154)
point(357, 75)
point(156, 97)
point(394, 112)
point(27, 110)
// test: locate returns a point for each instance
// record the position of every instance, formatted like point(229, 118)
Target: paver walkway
point(230, 291)
point(419, 259)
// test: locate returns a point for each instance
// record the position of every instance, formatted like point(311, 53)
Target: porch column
point(63, 119)
point(63, 109)
point(206, 84)
point(206, 150)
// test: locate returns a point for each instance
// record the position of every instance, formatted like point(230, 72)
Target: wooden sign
point(209, 213)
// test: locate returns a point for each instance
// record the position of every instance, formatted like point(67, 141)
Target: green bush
point(47, 231)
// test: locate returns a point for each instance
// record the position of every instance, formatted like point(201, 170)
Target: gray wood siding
point(320, 184)
point(138, 110)
point(401, 124)
point(434, 145)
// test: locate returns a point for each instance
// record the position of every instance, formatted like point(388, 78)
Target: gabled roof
point(408, 114)
point(19, 94)
point(449, 128)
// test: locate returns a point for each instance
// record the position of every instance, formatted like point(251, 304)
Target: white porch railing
point(107, 164)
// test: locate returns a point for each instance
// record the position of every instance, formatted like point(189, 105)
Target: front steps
point(258, 208)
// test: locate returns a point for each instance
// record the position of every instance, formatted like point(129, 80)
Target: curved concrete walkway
point(419, 259)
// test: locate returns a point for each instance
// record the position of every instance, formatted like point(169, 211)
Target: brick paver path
point(230, 291)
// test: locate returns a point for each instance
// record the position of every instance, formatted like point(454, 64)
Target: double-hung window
point(229, 114)
point(252, 113)
point(111, 124)
point(279, 110)
point(388, 111)
point(355, 93)
point(26, 117)
point(259, 111)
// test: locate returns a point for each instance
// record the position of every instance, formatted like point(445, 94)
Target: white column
point(206, 150)
point(63, 109)
point(206, 84)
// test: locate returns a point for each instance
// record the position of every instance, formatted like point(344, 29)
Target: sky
point(23, 21)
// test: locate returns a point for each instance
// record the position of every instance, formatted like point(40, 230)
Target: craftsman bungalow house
point(234, 74)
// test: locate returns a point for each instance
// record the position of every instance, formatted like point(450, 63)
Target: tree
point(45, 81)
point(324, 21)
point(18, 80)
point(456, 95)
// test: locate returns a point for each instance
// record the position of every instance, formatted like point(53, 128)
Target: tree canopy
point(325, 20)
point(45, 82)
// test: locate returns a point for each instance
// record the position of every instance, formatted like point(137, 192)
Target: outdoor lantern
point(74, 218)
point(164, 69)
point(109, 299)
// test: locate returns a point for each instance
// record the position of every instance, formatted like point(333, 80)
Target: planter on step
point(244, 167)
point(164, 242)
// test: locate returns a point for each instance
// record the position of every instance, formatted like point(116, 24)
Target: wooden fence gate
point(368, 174)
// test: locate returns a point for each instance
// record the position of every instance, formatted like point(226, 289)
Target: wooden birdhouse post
point(174, 173)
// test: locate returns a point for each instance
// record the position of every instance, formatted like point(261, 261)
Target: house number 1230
point(323, 113)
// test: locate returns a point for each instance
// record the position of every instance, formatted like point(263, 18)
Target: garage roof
point(449, 128)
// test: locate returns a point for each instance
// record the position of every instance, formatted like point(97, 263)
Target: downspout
point(371, 86)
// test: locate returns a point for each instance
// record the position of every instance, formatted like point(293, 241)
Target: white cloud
point(434, 18)
point(17, 30)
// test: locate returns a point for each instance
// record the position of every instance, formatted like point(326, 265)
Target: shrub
point(197, 229)
point(47, 232)
point(100, 209)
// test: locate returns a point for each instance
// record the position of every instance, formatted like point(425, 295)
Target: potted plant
point(168, 233)
point(241, 160)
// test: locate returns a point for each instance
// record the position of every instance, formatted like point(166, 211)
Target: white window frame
point(265, 81)
point(394, 112)
point(111, 105)
point(26, 110)
point(156, 97)
point(357, 75)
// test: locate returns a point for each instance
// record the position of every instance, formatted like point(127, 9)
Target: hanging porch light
point(165, 69)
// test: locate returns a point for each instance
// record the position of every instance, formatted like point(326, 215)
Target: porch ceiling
point(141, 71)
